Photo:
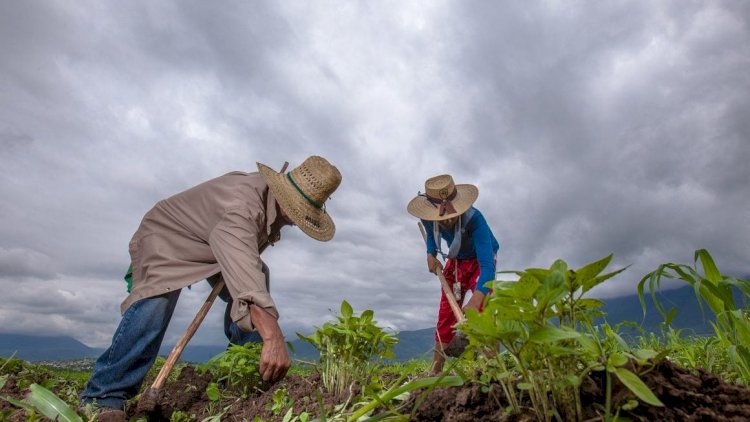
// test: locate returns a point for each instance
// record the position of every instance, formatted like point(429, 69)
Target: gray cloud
point(589, 128)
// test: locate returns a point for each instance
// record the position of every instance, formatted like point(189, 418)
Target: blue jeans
point(120, 370)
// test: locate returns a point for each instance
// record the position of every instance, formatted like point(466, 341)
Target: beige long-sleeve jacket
point(221, 225)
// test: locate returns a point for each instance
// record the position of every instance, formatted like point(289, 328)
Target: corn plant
point(399, 389)
point(717, 291)
point(537, 319)
point(347, 346)
point(46, 403)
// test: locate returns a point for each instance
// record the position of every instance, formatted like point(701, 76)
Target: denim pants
point(120, 370)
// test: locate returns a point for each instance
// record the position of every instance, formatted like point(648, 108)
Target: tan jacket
point(221, 225)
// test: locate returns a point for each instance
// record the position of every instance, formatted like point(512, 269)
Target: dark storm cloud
point(620, 125)
point(589, 127)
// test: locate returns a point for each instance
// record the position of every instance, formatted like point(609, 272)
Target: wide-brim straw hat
point(302, 194)
point(443, 199)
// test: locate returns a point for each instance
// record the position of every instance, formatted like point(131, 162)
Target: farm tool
point(150, 397)
point(459, 342)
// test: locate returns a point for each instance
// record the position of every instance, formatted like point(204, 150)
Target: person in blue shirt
point(446, 212)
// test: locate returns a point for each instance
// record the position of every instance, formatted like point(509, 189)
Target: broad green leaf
point(212, 391)
point(50, 405)
point(551, 334)
point(551, 290)
point(562, 267)
point(644, 355)
point(593, 269)
point(346, 309)
point(593, 282)
point(588, 345)
point(589, 304)
point(367, 315)
point(540, 274)
point(617, 360)
point(638, 387)
point(526, 287)
point(559, 265)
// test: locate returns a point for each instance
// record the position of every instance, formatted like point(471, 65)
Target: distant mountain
point(418, 344)
point(689, 315)
point(34, 349)
point(414, 344)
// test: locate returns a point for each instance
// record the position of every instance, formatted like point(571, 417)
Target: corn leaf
point(709, 267)
point(51, 406)
point(17, 403)
point(431, 382)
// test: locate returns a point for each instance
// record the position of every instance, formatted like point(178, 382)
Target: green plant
point(281, 401)
point(347, 346)
point(237, 368)
point(180, 416)
point(732, 326)
point(217, 417)
point(46, 403)
point(291, 417)
point(400, 390)
point(608, 352)
point(538, 320)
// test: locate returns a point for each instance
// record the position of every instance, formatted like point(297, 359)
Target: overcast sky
point(589, 128)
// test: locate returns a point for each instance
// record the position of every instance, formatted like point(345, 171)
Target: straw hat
point(442, 199)
point(302, 194)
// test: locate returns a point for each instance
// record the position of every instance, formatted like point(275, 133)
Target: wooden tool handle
point(444, 284)
point(180, 346)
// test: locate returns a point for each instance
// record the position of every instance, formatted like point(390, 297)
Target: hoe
point(150, 397)
point(459, 342)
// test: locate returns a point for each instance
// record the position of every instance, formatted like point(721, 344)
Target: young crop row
point(536, 343)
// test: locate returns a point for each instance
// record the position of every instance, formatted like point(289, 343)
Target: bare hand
point(477, 298)
point(274, 357)
point(274, 360)
point(433, 264)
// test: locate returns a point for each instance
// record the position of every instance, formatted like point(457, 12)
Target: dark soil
point(307, 394)
point(687, 396)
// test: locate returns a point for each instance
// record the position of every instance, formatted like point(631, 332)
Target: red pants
point(466, 272)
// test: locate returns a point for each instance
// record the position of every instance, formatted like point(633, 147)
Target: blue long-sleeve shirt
point(477, 242)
